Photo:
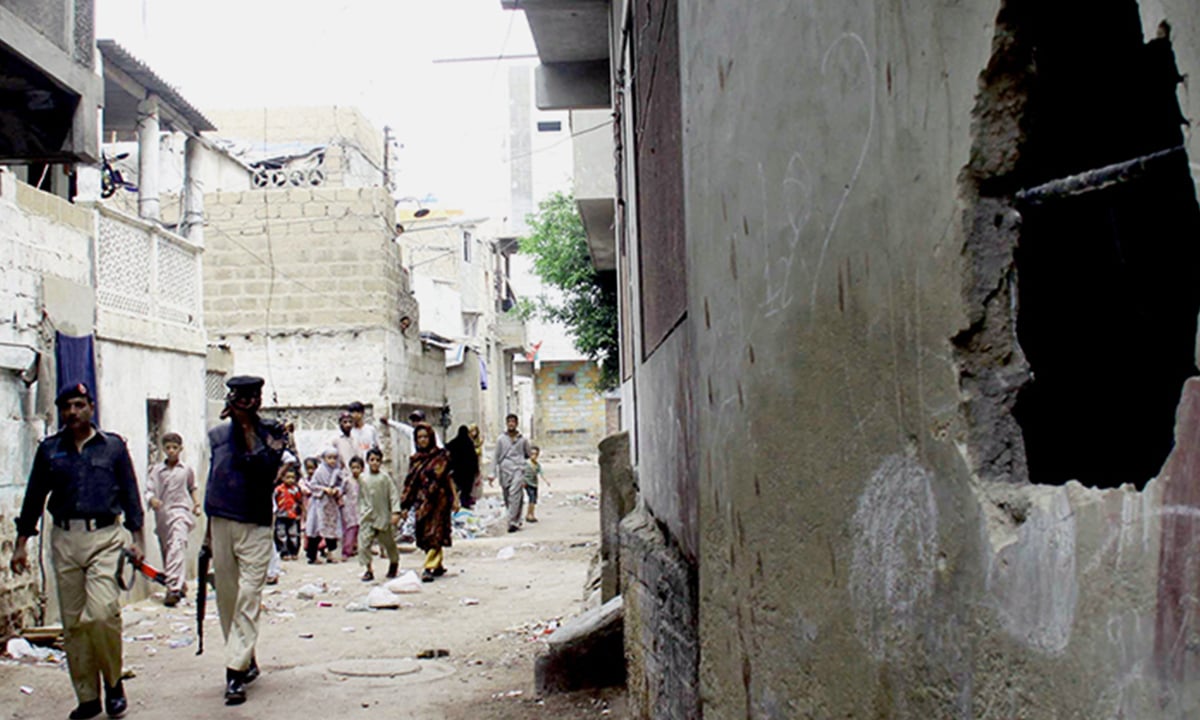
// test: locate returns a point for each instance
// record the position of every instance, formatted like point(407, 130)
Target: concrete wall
point(354, 156)
point(130, 375)
point(45, 282)
point(853, 562)
point(568, 419)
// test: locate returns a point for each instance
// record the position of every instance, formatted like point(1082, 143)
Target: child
point(288, 504)
point(378, 514)
point(171, 493)
point(533, 471)
point(324, 519)
point(349, 508)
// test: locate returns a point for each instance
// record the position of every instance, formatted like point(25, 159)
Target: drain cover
point(375, 667)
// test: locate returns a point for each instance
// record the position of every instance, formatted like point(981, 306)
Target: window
point(566, 379)
point(549, 126)
point(466, 246)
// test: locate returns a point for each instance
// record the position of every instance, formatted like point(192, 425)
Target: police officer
point(246, 454)
point(89, 477)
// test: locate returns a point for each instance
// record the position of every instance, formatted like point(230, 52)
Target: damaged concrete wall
point(870, 544)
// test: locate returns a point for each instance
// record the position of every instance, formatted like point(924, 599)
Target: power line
point(560, 142)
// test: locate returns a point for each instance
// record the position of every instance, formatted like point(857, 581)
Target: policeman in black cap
point(247, 452)
point(89, 478)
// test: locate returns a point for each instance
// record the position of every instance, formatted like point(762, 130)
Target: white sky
point(376, 55)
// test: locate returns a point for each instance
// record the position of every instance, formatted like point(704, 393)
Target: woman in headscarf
point(477, 439)
point(429, 488)
point(464, 465)
point(324, 516)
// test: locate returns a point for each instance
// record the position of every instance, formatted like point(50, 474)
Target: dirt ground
point(321, 660)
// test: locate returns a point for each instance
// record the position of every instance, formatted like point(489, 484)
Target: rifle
point(152, 573)
point(202, 590)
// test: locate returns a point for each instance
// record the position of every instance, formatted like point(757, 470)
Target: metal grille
point(124, 267)
point(214, 385)
point(85, 33)
point(177, 280)
point(324, 419)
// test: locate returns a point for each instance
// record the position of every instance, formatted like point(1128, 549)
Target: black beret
point(244, 384)
point(78, 390)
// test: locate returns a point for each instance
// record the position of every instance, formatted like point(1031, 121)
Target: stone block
point(324, 226)
point(586, 652)
point(348, 194)
point(314, 209)
point(292, 209)
point(618, 497)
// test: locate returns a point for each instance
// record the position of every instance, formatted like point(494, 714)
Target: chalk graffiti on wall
point(895, 554)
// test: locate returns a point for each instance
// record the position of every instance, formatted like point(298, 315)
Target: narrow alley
point(485, 621)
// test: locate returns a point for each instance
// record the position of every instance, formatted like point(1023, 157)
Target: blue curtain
point(74, 363)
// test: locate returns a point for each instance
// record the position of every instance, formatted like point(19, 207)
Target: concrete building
point(460, 275)
point(569, 415)
point(122, 285)
point(306, 287)
point(909, 362)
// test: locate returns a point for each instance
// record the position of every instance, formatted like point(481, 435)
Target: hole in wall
point(1102, 269)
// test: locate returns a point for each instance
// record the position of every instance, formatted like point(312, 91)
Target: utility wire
point(560, 142)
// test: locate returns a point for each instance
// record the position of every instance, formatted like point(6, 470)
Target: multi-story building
point(304, 281)
point(93, 293)
point(909, 325)
point(460, 274)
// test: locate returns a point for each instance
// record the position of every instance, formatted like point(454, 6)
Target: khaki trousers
point(85, 568)
point(241, 554)
point(387, 541)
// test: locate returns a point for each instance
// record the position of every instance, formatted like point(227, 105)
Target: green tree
point(587, 305)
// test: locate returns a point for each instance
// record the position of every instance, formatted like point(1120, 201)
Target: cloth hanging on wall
point(75, 362)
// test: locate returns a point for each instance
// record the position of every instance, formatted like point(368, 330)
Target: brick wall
point(570, 417)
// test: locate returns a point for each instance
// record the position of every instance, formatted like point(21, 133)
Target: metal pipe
point(1092, 180)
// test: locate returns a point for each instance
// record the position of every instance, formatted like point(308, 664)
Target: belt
point(88, 524)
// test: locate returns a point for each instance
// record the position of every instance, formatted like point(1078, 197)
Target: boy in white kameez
point(171, 494)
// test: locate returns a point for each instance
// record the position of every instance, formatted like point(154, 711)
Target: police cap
point(78, 390)
point(245, 384)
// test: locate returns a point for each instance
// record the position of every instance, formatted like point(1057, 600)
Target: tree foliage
point(587, 302)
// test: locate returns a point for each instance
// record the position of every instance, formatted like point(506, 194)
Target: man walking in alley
point(512, 450)
point(246, 455)
point(89, 477)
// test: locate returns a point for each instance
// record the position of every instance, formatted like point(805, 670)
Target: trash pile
point(535, 631)
point(478, 521)
point(20, 650)
point(590, 499)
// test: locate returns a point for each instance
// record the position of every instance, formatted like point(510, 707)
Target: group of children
point(330, 504)
point(334, 501)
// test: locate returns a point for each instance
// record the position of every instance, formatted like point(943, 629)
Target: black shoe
point(514, 528)
point(439, 571)
point(252, 672)
point(393, 568)
point(86, 710)
point(427, 576)
point(235, 687)
point(172, 599)
point(115, 703)
point(368, 576)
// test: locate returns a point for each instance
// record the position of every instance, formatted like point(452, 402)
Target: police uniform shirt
point(96, 482)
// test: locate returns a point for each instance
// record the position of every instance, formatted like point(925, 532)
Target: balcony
point(148, 284)
point(510, 331)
